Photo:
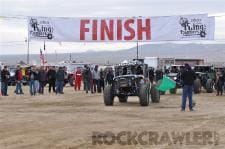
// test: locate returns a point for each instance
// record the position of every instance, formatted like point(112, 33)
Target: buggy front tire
point(155, 94)
point(108, 96)
point(144, 95)
point(197, 86)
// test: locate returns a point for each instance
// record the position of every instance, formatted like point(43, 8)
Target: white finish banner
point(172, 28)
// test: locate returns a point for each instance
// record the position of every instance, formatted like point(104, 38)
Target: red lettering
point(142, 29)
point(94, 30)
point(106, 29)
point(119, 29)
point(83, 29)
point(129, 29)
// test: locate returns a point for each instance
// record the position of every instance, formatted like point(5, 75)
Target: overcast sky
point(13, 30)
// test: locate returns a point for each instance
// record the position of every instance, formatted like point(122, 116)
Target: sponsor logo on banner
point(40, 29)
point(192, 27)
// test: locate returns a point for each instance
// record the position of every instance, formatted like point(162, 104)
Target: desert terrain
point(68, 121)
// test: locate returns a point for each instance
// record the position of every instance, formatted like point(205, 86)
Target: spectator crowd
point(37, 78)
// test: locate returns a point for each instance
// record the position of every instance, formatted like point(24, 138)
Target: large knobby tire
point(108, 95)
point(197, 86)
point(173, 90)
point(155, 94)
point(209, 86)
point(122, 98)
point(144, 95)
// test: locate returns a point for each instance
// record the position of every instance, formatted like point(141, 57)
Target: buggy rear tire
point(144, 95)
point(108, 95)
point(209, 86)
point(155, 94)
point(197, 86)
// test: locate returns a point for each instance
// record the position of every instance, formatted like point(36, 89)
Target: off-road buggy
point(206, 77)
point(131, 79)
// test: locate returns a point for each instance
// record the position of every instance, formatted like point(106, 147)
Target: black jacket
point(60, 75)
point(5, 75)
point(42, 76)
point(51, 75)
point(188, 77)
point(32, 75)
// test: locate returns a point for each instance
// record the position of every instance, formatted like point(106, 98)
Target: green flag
point(166, 84)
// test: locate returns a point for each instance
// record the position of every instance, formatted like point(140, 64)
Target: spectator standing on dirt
point(77, 79)
point(158, 74)
point(109, 77)
point(219, 85)
point(91, 79)
point(51, 75)
point(188, 77)
point(32, 76)
point(60, 76)
point(151, 75)
point(102, 80)
point(36, 79)
point(19, 78)
point(96, 78)
point(4, 81)
point(42, 80)
point(87, 78)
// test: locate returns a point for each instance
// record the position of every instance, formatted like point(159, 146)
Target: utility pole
point(46, 57)
point(70, 57)
point(28, 51)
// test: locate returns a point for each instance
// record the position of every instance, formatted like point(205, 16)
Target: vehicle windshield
point(203, 69)
point(176, 69)
point(129, 70)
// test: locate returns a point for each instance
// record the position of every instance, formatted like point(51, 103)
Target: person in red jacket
point(19, 78)
point(77, 78)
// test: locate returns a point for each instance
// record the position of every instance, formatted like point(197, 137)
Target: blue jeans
point(187, 92)
point(59, 86)
point(19, 87)
point(4, 88)
point(32, 87)
point(36, 84)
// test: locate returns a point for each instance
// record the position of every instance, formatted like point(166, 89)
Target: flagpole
point(46, 53)
point(28, 51)
point(40, 57)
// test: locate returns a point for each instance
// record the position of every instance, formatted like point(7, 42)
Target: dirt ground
point(68, 121)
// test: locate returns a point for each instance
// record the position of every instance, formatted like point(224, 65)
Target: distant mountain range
point(208, 52)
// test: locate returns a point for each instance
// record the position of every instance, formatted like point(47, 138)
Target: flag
point(166, 84)
point(44, 46)
point(42, 58)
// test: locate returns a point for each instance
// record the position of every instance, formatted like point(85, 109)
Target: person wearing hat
point(60, 75)
point(187, 76)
